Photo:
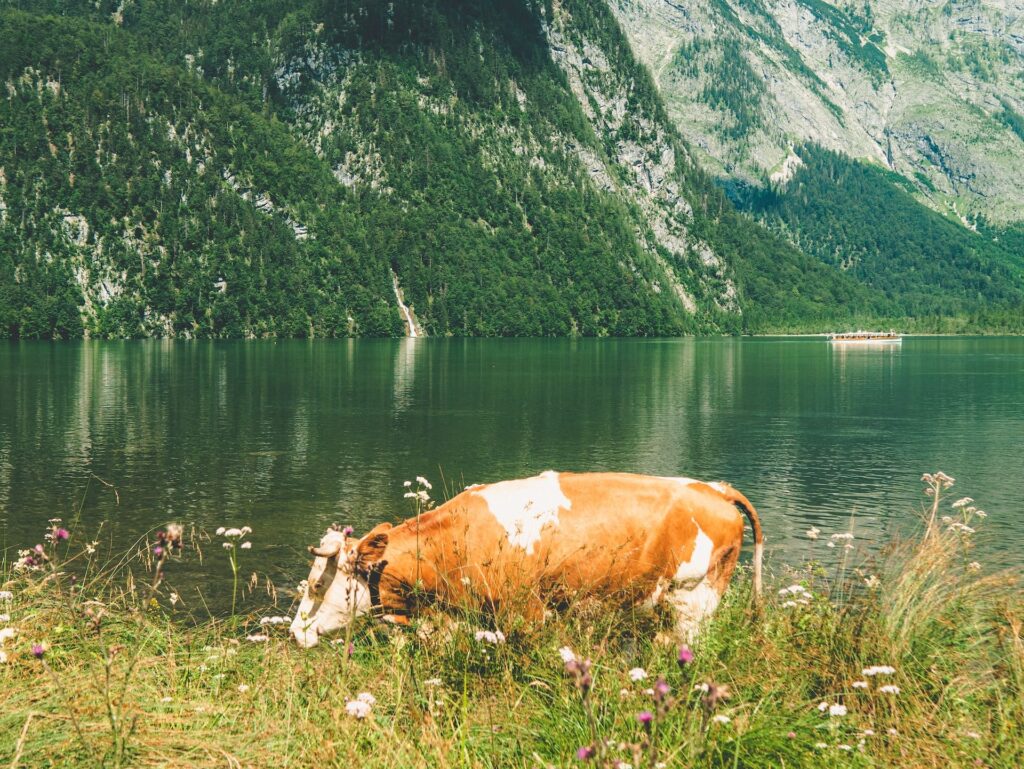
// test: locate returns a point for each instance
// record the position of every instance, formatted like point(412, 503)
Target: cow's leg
point(693, 603)
point(690, 607)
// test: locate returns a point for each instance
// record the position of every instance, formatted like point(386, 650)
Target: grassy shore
point(910, 657)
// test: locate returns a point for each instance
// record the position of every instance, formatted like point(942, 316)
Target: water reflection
point(290, 436)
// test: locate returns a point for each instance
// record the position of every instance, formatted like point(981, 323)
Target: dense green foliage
point(861, 219)
point(223, 169)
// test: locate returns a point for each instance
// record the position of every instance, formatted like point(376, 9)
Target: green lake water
point(287, 437)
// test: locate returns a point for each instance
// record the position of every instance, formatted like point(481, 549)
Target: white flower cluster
point(567, 654)
point(878, 670)
point(421, 493)
point(801, 596)
point(233, 535)
point(490, 636)
point(264, 621)
point(813, 532)
point(835, 710)
point(6, 595)
point(637, 674)
point(361, 706)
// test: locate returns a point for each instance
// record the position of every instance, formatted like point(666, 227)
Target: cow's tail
point(755, 523)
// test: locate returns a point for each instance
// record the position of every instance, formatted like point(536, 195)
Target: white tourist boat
point(866, 337)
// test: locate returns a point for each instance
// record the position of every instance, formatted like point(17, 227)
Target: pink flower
point(38, 650)
point(685, 656)
point(348, 531)
point(61, 534)
point(158, 551)
point(585, 753)
point(645, 717)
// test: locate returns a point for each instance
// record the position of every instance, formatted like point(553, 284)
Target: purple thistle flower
point(158, 551)
point(38, 549)
point(61, 534)
point(348, 531)
point(585, 753)
point(38, 650)
point(685, 656)
point(661, 689)
point(645, 717)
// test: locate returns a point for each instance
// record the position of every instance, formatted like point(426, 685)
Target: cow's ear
point(370, 550)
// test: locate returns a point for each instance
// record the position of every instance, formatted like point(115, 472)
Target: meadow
point(909, 655)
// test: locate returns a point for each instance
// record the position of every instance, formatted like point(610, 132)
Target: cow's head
point(337, 590)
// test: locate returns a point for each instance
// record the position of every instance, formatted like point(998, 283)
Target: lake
point(289, 436)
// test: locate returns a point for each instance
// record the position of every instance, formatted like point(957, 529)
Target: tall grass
point(97, 671)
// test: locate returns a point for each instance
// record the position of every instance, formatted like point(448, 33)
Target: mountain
point(932, 90)
point(356, 167)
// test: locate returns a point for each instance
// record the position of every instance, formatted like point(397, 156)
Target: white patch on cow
point(699, 561)
point(526, 506)
point(659, 590)
point(692, 607)
point(721, 487)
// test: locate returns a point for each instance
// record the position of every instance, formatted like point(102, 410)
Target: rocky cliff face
point(930, 89)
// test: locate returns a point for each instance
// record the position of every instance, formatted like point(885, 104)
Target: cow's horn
point(326, 552)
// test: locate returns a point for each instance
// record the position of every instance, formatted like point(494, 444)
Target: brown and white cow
point(525, 544)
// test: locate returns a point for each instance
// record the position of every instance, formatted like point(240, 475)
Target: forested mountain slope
point(356, 167)
point(282, 168)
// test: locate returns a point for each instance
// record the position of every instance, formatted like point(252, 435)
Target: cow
point(526, 545)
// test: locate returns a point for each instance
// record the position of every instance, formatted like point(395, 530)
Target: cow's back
point(590, 532)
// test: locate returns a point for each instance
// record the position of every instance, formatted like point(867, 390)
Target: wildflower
point(243, 688)
point(893, 732)
point(813, 532)
point(831, 544)
point(358, 709)
point(860, 684)
point(981, 513)
point(38, 650)
point(661, 688)
point(348, 531)
point(791, 736)
point(645, 717)
point(166, 699)
point(889, 689)
point(961, 503)
point(423, 482)
point(257, 638)
point(420, 495)
point(492, 637)
point(844, 747)
point(789, 604)
point(972, 735)
point(6, 633)
point(245, 545)
point(174, 598)
point(868, 732)
point(5, 617)
point(960, 528)
point(720, 719)
point(878, 670)
point(220, 531)
point(822, 706)
point(821, 745)
point(466, 581)
point(90, 547)
point(701, 688)
point(974, 566)
point(567, 655)
point(637, 674)
point(6, 595)
point(624, 693)
point(585, 753)
point(837, 710)
point(366, 697)
point(233, 533)
point(685, 656)
point(844, 535)
point(432, 682)
point(872, 581)
point(158, 551)
point(227, 545)
point(61, 534)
